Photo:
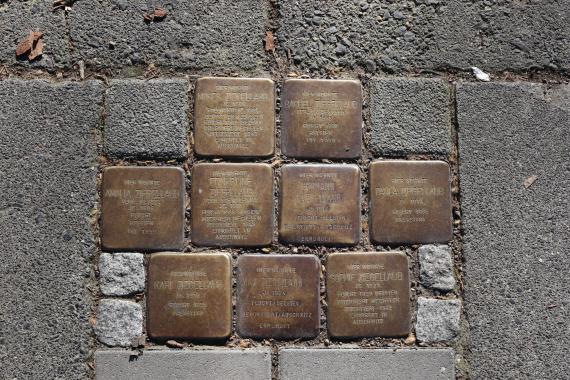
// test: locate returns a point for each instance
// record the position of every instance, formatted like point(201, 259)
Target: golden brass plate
point(320, 204)
point(410, 202)
point(321, 118)
point(368, 294)
point(278, 296)
point(142, 208)
point(234, 117)
point(189, 296)
point(232, 204)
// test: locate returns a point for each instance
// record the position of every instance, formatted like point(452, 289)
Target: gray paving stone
point(366, 364)
point(250, 364)
point(121, 273)
point(410, 115)
point(47, 191)
point(18, 18)
point(118, 322)
point(195, 34)
point(436, 267)
point(516, 240)
point(402, 35)
point(437, 320)
point(146, 118)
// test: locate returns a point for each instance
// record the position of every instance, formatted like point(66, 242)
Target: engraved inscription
point(368, 294)
point(189, 295)
point(142, 199)
point(232, 204)
point(321, 118)
point(142, 207)
point(320, 204)
point(278, 296)
point(410, 201)
point(234, 117)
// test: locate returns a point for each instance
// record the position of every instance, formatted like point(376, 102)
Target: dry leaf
point(269, 41)
point(32, 46)
point(159, 13)
point(37, 50)
point(529, 181)
point(24, 47)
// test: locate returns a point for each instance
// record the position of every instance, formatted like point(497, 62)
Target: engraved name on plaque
point(321, 118)
point(142, 208)
point(234, 117)
point(320, 204)
point(368, 294)
point(410, 202)
point(232, 204)
point(278, 296)
point(189, 296)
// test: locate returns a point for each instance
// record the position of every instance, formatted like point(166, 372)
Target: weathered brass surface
point(232, 204)
point(189, 295)
point(321, 118)
point(410, 202)
point(368, 294)
point(234, 117)
point(142, 208)
point(278, 296)
point(320, 204)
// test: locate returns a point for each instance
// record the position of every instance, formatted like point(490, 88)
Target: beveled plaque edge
point(239, 323)
point(266, 154)
point(179, 244)
point(204, 243)
point(373, 230)
point(353, 242)
point(285, 130)
point(229, 271)
point(330, 328)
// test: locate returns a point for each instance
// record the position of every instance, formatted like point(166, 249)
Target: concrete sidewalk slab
point(516, 239)
point(47, 187)
point(251, 364)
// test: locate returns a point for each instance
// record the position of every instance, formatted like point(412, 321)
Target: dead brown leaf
point(24, 47)
point(269, 41)
point(31, 47)
point(529, 181)
point(158, 14)
point(37, 50)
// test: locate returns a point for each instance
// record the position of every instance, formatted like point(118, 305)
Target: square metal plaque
point(410, 202)
point(232, 204)
point(368, 294)
point(189, 296)
point(321, 118)
point(278, 296)
point(320, 204)
point(234, 117)
point(142, 208)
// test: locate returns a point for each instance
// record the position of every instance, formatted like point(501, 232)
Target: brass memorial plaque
point(278, 296)
point(232, 204)
point(320, 204)
point(321, 118)
point(142, 208)
point(368, 294)
point(189, 296)
point(410, 202)
point(234, 117)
